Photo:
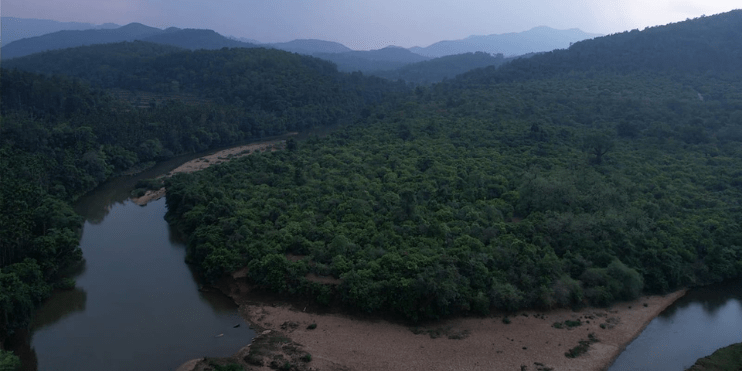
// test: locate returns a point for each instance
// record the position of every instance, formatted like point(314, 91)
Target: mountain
point(196, 39)
point(538, 39)
point(69, 39)
point(387, 58)
point(184, 38)
point(312, 46)
point(20, 28)
point(700, 45)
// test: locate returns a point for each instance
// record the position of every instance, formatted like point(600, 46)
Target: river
point(704, 320)
point(137, 304)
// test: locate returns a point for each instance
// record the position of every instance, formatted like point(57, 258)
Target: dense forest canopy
point(580, 176)
point(545, 193)
point(498, 189)
point(439, 69)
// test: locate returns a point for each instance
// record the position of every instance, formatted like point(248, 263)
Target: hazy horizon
point(371, 25)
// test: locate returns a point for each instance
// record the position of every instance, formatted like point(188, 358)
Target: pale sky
point(372, 24)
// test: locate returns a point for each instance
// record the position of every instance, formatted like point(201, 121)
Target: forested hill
point(439, 69)
point(697, 45)
point(286, 84)
point(186, 38)
point(542, 185)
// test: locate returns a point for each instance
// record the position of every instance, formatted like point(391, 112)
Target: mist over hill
point(538, 39)
point(14, 28)
point(311, 46)
point(185, 38)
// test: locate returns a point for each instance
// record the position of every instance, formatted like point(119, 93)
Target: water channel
point(704, 320)
point(137, 305)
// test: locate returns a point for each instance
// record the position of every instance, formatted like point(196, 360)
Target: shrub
point(506, 320)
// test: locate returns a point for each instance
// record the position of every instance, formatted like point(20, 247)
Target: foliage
point(468, 197)
point(724, 359)
point(9, 361)
point(439, 69)
point(582, 348)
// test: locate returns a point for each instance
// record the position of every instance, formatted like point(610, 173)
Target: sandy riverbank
point(209, 160)
point(342, 342)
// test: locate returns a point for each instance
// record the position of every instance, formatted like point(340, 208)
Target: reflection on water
point(136, 306)
point(59, 306)
point(695, 326)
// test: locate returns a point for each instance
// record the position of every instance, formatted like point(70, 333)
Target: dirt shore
point(528, 342)
point(210, 160)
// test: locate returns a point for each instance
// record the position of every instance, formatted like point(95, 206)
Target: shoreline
point(345, 342)
point(206, 161)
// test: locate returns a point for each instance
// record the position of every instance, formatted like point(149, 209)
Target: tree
point(598, 145)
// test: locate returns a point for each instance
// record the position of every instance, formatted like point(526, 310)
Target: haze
point(374, 24)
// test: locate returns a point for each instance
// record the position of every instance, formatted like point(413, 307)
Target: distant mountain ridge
point(311, 46)
point(14, 28)
point(710, 44)
point(184, 38)
point(388, 58)
point(537, 39)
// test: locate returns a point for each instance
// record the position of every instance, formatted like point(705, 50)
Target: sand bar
point(529, 342)
point(209, 160)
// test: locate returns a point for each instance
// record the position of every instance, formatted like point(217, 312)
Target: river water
point(137, 304)
point(704, 320)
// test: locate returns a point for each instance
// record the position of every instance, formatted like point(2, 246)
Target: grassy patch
point(582, 347)
point(435, 333)
point(567, 324)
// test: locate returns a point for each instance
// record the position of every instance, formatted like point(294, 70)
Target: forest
point(577, 177)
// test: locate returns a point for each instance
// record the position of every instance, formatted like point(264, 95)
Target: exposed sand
point(210, 160)
point(342, 342)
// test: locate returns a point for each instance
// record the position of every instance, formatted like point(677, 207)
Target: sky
point(364, 25)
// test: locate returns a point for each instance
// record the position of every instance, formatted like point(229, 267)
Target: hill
point(185, 38)
point(311, 47)
point(538, 39)
point(535, 185)
point(20, 28)
point(195, 39)
point(387, 58)
point(701, 45)
point(439, 69)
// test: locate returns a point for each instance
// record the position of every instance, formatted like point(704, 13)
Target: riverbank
point(530, 339)
point(724, 359)
point(204, 162)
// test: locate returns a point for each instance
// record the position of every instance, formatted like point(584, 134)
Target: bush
point(65, 284)
point(306, 358)
point(506, 320)
point(9, 361)
point(312, 326)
